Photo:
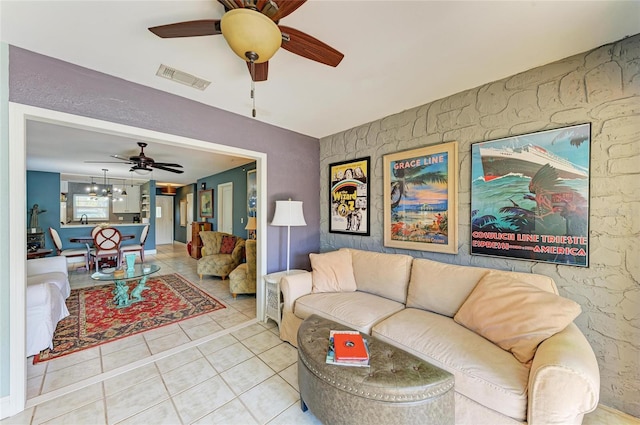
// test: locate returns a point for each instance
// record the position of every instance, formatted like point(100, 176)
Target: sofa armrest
point(293, 287)
point(238, 251)
point(564, 381)
point(47, 265)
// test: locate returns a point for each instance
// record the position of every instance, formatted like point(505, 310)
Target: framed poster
point(421, 199)
point(252, 194)
point(206, 203)
point(349, 197)
point(530, 196)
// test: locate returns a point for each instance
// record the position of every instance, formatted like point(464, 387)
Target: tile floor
point(222, 368)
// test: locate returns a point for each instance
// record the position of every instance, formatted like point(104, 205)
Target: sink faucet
point(84, 219)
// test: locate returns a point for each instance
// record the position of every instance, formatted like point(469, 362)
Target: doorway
point(19, 115)
point(225, 208)
point(164, 220)
point(189, 216)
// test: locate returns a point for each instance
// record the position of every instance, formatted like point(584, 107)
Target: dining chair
point(95, 230)
point(70, 252)
point(106, 243)
point(136, 247)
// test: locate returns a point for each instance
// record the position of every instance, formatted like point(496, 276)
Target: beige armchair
point(213, 261)
point(242, 280)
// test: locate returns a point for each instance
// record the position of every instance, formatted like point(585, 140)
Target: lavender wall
point(50, 83)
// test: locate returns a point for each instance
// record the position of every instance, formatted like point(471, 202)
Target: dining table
point(88, 241)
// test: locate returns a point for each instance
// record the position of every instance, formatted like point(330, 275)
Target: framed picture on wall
point(421, 199)
point(206, 203)
point(349, 197)
point(530, 196)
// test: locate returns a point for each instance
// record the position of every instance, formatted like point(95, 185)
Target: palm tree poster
point(421, 199)
point(349, 197)
point(530, 196)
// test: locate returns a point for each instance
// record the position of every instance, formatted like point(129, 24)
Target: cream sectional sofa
point(458, 318)
point(47, 289)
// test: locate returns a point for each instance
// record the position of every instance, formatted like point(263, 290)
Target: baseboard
point(625, 418)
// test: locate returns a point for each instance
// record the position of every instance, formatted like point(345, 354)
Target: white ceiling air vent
point(182, 77)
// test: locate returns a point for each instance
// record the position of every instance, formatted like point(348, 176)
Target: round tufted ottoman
point(397, 387)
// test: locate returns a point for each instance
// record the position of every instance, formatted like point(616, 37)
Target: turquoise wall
point(43, 188)
point(238, 176)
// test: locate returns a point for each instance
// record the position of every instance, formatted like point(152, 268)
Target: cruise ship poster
point(530, 196)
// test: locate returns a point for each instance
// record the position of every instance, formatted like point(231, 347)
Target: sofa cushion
point(483, 371)
point(358, 310)
point(441, 287)
point(228, 244)
point(332, 272)
point(381, 274)
point(515, 315)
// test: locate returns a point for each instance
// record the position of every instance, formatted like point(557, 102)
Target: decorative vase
point(131, 260)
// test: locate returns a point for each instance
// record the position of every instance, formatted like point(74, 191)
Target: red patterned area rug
point(94, 319)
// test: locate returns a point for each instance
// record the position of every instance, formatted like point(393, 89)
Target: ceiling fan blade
point(105, 162)
point(261, 70)
point(309, 47)
point(286, 7)
point(188, 29)
point(166, 164)
point(123, 158)
point(228, 4)
point(159, 167)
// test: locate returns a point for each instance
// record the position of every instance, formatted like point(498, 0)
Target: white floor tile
point(188, 375)
point(92, 413)
point(202, 399)
point(268, 399)
point(228, 357)
point(233, 412)
point(135, 399)
point(70, 375)
point(247, 375)
point(163, 413)
point(262, 342)
point(280, 357)
point(56, 407)
point(130, 378)
point(169, 363)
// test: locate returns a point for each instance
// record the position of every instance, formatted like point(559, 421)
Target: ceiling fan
point(252, 31)
point(143, 164)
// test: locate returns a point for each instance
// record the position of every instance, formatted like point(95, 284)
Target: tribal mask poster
point(530, 196)
point(349, 197)
point(420, 199)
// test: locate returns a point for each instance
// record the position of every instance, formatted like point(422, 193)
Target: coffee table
point(396, 388)
point(121, 296)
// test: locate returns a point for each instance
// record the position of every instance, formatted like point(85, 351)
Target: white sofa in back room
point(508, 338)
point(47, 289)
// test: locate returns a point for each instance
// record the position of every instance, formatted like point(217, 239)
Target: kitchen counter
point(92, 225)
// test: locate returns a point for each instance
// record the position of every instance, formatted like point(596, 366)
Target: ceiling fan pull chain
point(253, 88)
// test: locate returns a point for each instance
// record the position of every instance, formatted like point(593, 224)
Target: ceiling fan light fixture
point(141, 170)
point(250, 33)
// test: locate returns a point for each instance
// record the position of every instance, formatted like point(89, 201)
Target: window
point(95, 208)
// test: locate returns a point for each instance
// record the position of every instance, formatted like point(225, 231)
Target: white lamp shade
point(288, 213)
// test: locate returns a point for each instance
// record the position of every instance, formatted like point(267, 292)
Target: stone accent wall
point(601, 86)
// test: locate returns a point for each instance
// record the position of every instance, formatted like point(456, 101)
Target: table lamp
point(288, 213)
point(251, 227)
